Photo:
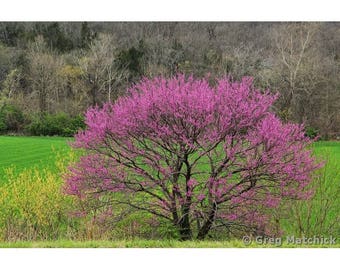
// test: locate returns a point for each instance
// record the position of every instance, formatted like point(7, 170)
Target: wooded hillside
point(62, 68)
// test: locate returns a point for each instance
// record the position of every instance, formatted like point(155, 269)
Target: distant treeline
point(59, 69)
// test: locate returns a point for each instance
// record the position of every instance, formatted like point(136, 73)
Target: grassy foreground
point(151, 244)
point(32, 206)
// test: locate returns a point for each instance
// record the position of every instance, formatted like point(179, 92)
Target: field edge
point(152, 244)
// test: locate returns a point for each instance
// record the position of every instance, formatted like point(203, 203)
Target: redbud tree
point(199, 155)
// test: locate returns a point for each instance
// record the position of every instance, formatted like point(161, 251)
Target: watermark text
point(289, 240)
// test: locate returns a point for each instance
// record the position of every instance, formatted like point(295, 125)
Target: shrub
point(33, 206)
point(3, 126)
point(311, 132)
point(11, 119)
point(55, 125)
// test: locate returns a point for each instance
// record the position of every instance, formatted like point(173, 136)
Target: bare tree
point(42, 74)
point(99, 70)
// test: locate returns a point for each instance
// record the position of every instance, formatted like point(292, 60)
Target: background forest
point(51, 72)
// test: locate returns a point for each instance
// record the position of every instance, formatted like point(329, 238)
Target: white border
point(173, 10)
point(169, 10)
point(169, 259)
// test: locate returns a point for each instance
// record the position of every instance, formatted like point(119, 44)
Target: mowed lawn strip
point(154, 244)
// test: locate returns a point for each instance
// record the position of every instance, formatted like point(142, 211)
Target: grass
point(331, 147)
point(28, 152)
point(151, 244)
point(321, 215)
point(39, 152)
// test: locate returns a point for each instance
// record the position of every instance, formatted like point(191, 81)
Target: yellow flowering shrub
point(33, 205)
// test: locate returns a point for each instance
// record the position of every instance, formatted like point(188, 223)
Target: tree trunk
point(184, 224)
point(94, 94)
point(42, 100)
point(202, 233)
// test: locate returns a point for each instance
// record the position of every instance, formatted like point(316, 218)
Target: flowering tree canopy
point(200, 156)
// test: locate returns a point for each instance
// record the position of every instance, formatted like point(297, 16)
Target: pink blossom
point(181, 140)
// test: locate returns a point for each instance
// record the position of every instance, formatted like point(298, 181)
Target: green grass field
point(23, 153)
point(28, 152)
point(331, 147)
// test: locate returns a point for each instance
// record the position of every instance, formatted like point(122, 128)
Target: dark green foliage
point(311, 132)
point(86, 35)
point(11, 33)
point(6, 61)
point(3, 126)
point(131, 59)
point(55, 37)
point(59, 124)
point(11, 119)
